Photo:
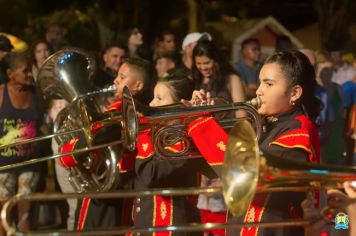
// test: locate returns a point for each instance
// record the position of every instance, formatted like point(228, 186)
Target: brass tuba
point(66, 75)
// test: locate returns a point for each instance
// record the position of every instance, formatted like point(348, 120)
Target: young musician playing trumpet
point(286, 92)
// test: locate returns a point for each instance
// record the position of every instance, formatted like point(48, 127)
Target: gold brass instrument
point(169, 123)
point(66, 74)
point(12, 229)
point(247, 171)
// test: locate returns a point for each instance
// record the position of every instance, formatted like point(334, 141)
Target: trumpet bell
point(241, 167)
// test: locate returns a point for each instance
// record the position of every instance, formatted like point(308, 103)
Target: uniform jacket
point(289, 135)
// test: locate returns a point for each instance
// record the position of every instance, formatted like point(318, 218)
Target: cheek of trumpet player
point(128, 76)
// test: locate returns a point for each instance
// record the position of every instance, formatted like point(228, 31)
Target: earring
point(291, 102)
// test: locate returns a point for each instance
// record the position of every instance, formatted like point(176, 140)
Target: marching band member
point(286, 91)
point(103, 214)
point(152, 172)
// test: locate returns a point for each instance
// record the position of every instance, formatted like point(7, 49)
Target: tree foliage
point(334, 20)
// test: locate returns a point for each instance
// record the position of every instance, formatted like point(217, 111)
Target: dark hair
point(162, 34)
point(116, 44)
point(222, 67)
point(249, 41)
point(12, 60)
point(283, 43)
point(181, 87)
point(173, 56)
point(33, 49)
point(298, 70)
point(141, 66)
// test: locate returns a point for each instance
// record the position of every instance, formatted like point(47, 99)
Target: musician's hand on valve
point(318, 223)
point(344, 202)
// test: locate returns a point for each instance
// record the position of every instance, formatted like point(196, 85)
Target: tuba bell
point(66, 74)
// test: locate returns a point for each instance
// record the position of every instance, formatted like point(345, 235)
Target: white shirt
point(345, 73)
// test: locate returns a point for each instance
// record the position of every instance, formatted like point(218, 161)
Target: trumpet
point(164, 135)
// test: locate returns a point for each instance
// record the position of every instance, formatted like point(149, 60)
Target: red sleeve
point(209, 138)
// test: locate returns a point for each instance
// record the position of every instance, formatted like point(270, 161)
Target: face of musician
point(163, 95)
point(127, 76)
point(21, 74)
point(205, 65)
point(274, 91)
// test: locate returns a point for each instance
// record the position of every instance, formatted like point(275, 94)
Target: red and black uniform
point(104, 214)
point(289, 135)
point(152, 172)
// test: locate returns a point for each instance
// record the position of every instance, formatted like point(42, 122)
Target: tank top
point(16, 125)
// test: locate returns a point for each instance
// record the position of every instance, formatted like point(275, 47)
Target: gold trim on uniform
point(221, 145)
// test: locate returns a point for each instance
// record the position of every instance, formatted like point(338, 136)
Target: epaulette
point(298, 138)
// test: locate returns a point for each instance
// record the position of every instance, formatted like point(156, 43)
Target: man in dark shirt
point(113, 58)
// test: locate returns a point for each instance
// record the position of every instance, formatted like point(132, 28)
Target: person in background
point(343, 71)
point(112, 58)
point(56, 104)
point(40, 51)
point(165, 43)
point(326, 116)
point(342, 76)
point(167, 64)
point(283, 43)
point(20, 119)
point(5, 47)
point(248, 67)
point(213, 75)
point(134, 40)
point(188, 44)
point(54, 36)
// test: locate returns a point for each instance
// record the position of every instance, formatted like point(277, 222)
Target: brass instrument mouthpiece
point(256, 102)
